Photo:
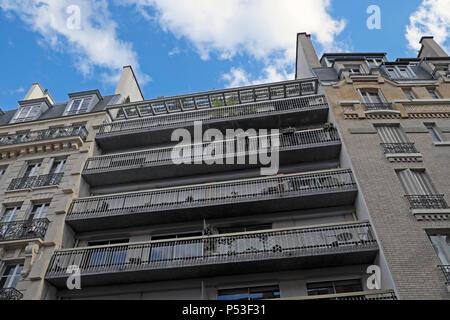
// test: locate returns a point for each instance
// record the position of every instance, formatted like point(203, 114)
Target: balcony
point(51, 139)
point(35, 182)
point(295, 147)
point(351, 296)
point(265, 251)
point(394, 148)
point(272, 114)
point(223, 199)
point(41, 135)
point(10, 294)
point(446, 271)
point(23, 230)
point(436, 201)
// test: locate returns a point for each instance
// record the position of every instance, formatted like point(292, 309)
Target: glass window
point(2, 172)
point(434, 94)
point(441, 243)
point(57, 166)
point(10, 214)
point(371, 97)
point(254, 293)
point(107, 256)
point(434, 133)
point(11, 276)
point(334, 287)
point(409, 94)
point(39, 211)
point(28, 113)
point(246, 228)
point(79, 106)
point(32, 170)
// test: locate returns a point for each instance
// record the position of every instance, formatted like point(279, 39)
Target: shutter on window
point(392, 134)
point(416, 182)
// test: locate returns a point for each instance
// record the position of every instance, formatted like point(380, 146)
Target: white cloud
point(432, 18)
point(94, 44)
point(263, 29)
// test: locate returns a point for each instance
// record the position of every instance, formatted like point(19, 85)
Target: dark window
point(334, 287)
point(247, 228)
point(255, 293)
point(39, 211)
point(11, 276)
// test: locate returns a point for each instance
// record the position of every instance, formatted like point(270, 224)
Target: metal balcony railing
point(446, 271)
point(215, 99)
point(41, 135)
point(163, 156)
point(35, 181)
point(20, 230)
point(10, 294)
point(378, 106)
point(435, 201)
point(217, 249)
point(395, 148)
point(367, 295)
point(212, 194)
point(208, 114)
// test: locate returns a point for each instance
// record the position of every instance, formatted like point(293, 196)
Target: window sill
point(442, 144)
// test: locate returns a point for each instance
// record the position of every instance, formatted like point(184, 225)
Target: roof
point(57, 110)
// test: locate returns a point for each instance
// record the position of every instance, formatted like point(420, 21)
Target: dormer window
point(400, 72)
point(79, 105)
point(27, 113)
point(374, 62)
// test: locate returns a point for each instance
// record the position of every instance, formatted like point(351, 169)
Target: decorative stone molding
point(431, 214)
point(404, 157)
point(31, 255)
point(14, 151)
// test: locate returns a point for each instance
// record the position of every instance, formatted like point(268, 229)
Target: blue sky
point(184, 46)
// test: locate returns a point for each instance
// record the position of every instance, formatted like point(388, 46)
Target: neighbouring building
point(393, 118)
point(43, 148)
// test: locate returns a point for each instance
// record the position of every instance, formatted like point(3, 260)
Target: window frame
point(70, 112)
point(19, 117)
point(11, 280)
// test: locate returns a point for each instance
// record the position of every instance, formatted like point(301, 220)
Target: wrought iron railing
point(20, 230)
point(368, 296)
point(35, 181)
point(225, 113)
point(394, 148)
point(10, 294)
point(212, 194)
point(378, 106)
point(215, 99)
point(40, 135)
point(446, 271)
point(435, 201)
point(232, 248)
point(163, 156)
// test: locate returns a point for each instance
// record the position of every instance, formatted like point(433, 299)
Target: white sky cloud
point(264, 29)
point(432, 18)
point(94, 44)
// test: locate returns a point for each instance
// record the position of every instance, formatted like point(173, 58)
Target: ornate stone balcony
point(52, 139)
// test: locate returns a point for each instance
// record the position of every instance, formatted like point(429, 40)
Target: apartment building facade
point(393, 118)
point(43, 147)
point(144, 227)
